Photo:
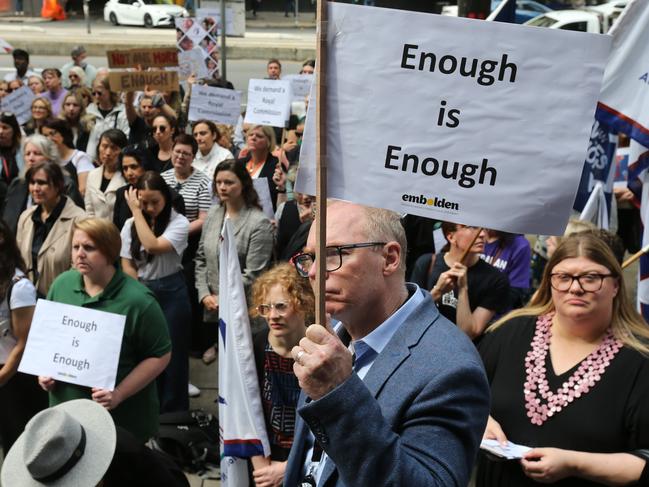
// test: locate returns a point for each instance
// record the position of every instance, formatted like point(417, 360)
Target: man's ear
point(392, 258)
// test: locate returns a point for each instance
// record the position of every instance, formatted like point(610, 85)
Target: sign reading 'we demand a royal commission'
point(475, 122)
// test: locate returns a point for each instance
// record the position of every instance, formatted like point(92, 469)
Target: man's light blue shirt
point(367, 349)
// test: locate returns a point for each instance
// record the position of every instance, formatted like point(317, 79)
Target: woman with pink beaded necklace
point(569, 378)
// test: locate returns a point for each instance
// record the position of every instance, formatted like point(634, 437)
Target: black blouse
point(613, 417)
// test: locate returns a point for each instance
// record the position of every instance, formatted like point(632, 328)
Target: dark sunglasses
point(160, 128)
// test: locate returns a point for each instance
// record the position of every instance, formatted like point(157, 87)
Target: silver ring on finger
point(298, 357)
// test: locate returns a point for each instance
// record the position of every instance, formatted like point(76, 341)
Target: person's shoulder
point(513, 328)
point(71, 210)
point(201, 177)
point(177, 219)
point(66, 281)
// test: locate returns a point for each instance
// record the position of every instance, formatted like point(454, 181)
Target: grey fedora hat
point(71, 444)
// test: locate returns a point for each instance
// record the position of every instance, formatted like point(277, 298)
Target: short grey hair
point(385, 225)
point(45, 145)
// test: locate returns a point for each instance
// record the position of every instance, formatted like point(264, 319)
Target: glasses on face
point(265, 309)
point(37, 108)
point(97, 93)
point(178, 153)
point(589, 283)
point(160, 128)
point(333, 257)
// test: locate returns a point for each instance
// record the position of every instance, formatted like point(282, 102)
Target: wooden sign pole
point(321, 161)
point(468, 249)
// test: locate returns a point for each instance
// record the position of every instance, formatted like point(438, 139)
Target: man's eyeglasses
point(178, 153)
point(333, 257)
point(589, 283)
point(265, 309)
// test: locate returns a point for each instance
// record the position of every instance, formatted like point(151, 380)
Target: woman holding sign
point(96, 283)
point(20, 397)
point(569, 377)
point(153, 242)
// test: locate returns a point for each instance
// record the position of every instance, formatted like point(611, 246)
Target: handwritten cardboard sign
point(138, 80)
point(153, 57)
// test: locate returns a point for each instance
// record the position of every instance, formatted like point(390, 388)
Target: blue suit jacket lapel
point(394, 353)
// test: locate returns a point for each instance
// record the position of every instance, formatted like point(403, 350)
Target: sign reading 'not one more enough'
point(481, 123)
point(74, 344)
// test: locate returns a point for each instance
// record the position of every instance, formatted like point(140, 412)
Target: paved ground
point(205, 378)
point(270, 35)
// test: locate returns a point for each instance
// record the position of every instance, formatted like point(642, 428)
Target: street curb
point(62, 47)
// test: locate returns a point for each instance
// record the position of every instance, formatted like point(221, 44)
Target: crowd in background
point(125, 191)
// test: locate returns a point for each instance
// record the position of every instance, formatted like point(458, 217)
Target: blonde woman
point(569, 377)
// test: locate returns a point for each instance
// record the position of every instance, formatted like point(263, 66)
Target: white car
point(149, 13)
point(578, 20)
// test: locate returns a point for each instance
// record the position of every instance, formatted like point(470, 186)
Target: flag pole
point(635, 256)
point(321, 161)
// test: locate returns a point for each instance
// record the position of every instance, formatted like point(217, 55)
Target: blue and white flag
point(505, 11)
point(624, 98)
point(598, 171)
point(241, 418)
point(624, 106)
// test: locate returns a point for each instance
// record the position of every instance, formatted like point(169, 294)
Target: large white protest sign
point(269, 102)
point(74, 344)
point(481, 123)
point(217, 104)
point(300, 85)
point(19, 102)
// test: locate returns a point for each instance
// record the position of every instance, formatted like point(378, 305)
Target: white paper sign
point(207, 14)
point(263, 191)
point(480, 123)
point(511, 451)
point(74, 344)
point(192, 62)
point(300, 85)
point(269, 102)
point(216, 104)
point(19, 102)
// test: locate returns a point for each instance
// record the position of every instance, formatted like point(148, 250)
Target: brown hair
point(54, 175)
point(627, 325)
point(104, 234)
point(297, 287)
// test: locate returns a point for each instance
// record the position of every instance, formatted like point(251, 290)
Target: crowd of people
point(116, 202)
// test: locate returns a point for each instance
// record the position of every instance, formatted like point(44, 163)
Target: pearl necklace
point(590, 371)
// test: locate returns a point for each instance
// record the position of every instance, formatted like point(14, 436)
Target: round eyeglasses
point(265, 309)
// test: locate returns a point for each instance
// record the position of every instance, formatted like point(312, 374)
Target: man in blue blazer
point(411, 408)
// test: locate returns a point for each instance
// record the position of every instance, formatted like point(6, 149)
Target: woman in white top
point(108, 113)
point(104, 181)
point(76, 162)
point(210, 153)
point(20, 396)
point(153, 242)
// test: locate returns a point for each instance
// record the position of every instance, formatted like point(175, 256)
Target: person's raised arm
point(152, 244)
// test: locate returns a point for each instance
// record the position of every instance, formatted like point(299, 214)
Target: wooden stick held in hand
point(468, 249)
point(635, 256)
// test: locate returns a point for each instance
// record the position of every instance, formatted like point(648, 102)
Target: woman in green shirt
point(96, 283)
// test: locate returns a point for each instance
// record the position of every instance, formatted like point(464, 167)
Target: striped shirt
point(195, 190)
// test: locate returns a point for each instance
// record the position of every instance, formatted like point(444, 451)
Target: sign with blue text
point(480, 123)
point(74, 344)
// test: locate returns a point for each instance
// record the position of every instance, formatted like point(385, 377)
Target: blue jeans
point(171, 293)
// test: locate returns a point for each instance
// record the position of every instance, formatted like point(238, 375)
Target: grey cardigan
point(253, 233)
